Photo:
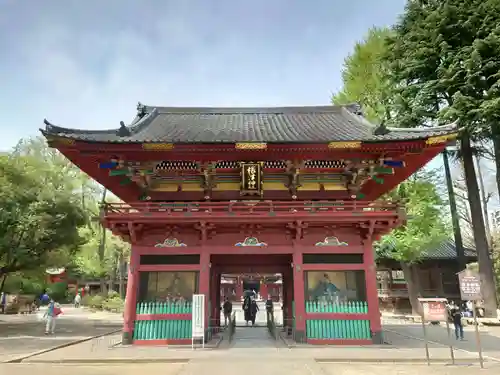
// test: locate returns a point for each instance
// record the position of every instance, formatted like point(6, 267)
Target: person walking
point(456, 315)
point(53, 311)
point(246, 309)
point(254, 308)
point(78, 300)
point(227, 308)
point(3, 302)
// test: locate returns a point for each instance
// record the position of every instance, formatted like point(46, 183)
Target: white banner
point(198, 318)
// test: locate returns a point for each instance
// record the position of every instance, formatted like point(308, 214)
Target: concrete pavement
point(490, 337)
point(21, 335)
point(248, 367)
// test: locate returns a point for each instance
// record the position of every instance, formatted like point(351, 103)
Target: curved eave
point(418, 142)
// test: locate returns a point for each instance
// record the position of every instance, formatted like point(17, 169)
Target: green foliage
point(365, 77)
point(112, 302)
point(39, 217)
point(88, 261)
point(19, 283)
point(52, 207)
point(425, 229)
point(444, 58)
point(58, 291)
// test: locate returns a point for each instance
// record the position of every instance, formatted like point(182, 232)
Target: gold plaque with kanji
point(251, 179)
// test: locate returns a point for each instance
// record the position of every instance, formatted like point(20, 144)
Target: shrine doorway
point(266, 274)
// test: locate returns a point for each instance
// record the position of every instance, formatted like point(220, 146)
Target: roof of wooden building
point(317, 124)
point(445, 250)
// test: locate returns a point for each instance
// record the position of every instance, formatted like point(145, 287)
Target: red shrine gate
point(287, 243)
point(215, 190)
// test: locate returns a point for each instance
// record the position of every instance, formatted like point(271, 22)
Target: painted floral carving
point(251, 241)
point(170, 242)
point(331, 241)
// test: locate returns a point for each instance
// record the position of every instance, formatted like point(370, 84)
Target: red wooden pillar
point(264, 291)
point(372, 293)
point(284, 302)
point(298, 293)
point(289, 296)
point(204, 283)
point(217, 297)
point(131, 298)
point(239, 290)
point(213, 297)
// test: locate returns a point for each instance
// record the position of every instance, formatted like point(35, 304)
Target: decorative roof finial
point(355, 108)
point(141, 110)
point(381, 129)
point(123, 131)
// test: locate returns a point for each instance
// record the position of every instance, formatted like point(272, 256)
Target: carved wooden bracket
point(134, 231)
point(250, 229)
point(298, 227)
point(367, 229)
point(171, 231)
point(206, 230)
point(207, 171)
point(292, 173)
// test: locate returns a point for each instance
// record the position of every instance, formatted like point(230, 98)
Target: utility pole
point(454, 215)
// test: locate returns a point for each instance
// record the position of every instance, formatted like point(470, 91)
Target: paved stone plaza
point(249, 367)
point(24, 334)
point(251, 350)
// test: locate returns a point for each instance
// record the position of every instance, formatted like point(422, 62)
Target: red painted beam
point(248, 250)
point(168, 267)
point(163, 317)
point(336, 316)
point(90, 166)
point(413, 162)
point(252, 269)
point(333, 267)
point(338, 342)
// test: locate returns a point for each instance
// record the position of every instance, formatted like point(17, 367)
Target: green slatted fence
point(163, 329)
point(343, 329)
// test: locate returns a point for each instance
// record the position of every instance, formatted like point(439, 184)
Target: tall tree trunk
point(2, 285)
point(484, 200)
point(457, 234)
point(496, 147)
point(102, 246)
point(413, 284)
point(478, 228)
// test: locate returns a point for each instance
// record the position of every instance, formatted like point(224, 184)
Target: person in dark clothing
point(269, 304)
point(227, 308)
point(456, 315)
point(246, 309)
point(253, 310)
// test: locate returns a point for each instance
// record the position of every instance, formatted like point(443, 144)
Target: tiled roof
point(228, 125)
point(447, 250)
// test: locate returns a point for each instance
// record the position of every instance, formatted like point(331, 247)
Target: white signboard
point(198, 319)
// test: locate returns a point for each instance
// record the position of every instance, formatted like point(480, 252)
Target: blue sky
point(86, 64)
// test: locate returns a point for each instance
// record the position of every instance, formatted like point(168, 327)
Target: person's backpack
point(57, 311)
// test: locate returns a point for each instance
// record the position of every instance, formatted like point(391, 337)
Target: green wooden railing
point(343, 329)
point(351, 307)
point(161, 328)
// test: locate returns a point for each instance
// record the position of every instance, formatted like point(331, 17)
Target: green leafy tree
point(425, 229)
point(365, 77)
point(444, 67)
point(39, 216)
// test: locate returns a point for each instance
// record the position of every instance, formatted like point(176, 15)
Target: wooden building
point(212, 191)
point(437, 272)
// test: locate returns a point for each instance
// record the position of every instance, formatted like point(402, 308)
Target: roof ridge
point(51, 128)
point(246, 110)
point(444, 127)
